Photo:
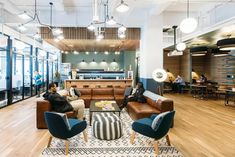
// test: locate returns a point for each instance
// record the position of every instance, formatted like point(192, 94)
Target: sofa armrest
point(165, 105)
point(42, 106)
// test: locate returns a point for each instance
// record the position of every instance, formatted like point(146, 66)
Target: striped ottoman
point(106, 126)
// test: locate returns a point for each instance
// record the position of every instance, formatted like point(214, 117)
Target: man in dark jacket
point(60, 103)
point(136, 96)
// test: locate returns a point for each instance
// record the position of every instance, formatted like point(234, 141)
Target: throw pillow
point(63, 92)
point(66, 121)
point(77, 92)
point(71, 91)
point(128, 91)
point(157, 120)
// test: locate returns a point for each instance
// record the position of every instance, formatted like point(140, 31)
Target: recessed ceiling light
point(56, 40)
point(60, 37)
point(106, 52)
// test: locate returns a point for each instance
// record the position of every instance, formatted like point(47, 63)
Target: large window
point(17, 70)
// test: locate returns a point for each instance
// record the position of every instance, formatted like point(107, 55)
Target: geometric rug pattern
point(121, 147)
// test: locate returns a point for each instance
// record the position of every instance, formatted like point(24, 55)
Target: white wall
point(151, 46)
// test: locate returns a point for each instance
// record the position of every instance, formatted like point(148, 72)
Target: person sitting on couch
point(137, 95)
point(60, 103)
point(74, 93)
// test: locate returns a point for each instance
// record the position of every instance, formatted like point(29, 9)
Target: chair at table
point(61, 127)
point(144, 126)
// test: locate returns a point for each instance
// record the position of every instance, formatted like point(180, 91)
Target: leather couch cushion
point(140, 110)
point(119, 97)
point(119, 91)
point(102, 91)
point(85, 91)
point(102, 97)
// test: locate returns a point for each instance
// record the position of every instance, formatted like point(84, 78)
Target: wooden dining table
point(229, 96)
point(198, 91)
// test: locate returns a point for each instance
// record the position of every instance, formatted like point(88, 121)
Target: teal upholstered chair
point(61, 127)
point(145, 126)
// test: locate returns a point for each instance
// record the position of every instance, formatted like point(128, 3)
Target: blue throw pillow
point(66, 121)
point(157, 120)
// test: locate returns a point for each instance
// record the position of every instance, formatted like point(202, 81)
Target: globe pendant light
point(181, 46)
point(189, 24)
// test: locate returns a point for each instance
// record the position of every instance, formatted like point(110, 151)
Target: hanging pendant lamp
point(189, 24)
point(226, 44)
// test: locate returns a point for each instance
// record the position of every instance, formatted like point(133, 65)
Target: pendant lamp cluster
point(57, 32)
point(188, 25)
point(98, 25)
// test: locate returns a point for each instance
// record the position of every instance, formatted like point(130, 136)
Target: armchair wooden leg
point(49, 142)
point(66, 147)
point(132, 137)
point(85, 136)
point(155, 145)
point(168, 140)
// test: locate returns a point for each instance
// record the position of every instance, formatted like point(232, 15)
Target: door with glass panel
point(34, 68)
point(17, 76)
point(27, 73)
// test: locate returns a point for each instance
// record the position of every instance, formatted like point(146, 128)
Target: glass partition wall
point(3, 71)
point(18, 61)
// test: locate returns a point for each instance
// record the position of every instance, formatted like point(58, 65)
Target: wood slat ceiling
point(93, 45)
point(80, 39)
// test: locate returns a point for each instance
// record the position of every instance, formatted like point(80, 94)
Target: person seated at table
point(202, 79)
point(137, 95)
point(178, 84)
point(60, 103)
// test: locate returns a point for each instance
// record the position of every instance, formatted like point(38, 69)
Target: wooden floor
point(203, 128)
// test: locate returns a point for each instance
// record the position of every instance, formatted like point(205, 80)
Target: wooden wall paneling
point(171, 63)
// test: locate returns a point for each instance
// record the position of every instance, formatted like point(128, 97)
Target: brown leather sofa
point(154, 104)
point(43, 106)
point(87, 94)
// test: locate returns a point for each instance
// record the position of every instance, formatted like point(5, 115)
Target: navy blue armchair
point(144, 126)
point(64, 128)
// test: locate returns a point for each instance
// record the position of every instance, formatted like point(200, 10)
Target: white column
point(151, 50)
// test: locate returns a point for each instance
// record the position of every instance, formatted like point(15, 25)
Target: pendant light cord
point(188, 9)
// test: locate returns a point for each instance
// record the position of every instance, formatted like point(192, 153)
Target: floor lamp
point(159, 75)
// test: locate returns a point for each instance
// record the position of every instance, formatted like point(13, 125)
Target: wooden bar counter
point(98, 83)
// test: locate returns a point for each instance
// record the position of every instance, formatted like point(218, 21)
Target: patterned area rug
point(115, 148)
